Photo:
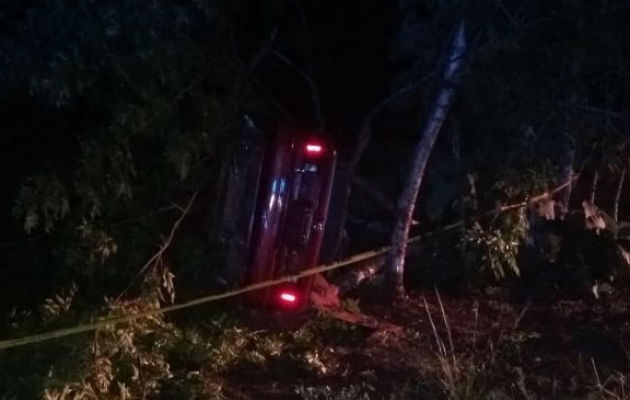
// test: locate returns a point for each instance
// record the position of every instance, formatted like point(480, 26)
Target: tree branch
point(157, 257)
point(589, 109)
point(262, 52)
point(317, 108)
point(375, 193)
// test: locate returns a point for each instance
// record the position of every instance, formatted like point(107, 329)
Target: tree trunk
point(406, 203)
point(594, 183)
point(567, 176)
point(622, 177)
point(364, 137)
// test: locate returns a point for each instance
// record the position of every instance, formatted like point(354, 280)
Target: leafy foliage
point(492, 252)
point(115, 111)
point(136, 98)
point(42, 201)
point(352, 392)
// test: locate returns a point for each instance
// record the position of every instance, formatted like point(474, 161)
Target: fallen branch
point(357, 276)
point(365, 271)
point(363, 320)
point(325, 298)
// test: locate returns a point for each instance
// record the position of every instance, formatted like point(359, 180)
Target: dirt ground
point(491, 348)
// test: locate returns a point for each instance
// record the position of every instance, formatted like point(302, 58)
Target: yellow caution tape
point(59, 333)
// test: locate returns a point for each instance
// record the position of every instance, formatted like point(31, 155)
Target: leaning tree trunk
point(567, 176)
point(364, 138)
point(622, 176)
point(594, 183)
point(407, 201)
point(600, 166)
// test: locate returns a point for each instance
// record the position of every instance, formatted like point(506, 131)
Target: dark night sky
point(349, 57)
point(351, 43)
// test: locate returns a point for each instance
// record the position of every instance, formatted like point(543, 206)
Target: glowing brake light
point(313, 148)
point(288, 297)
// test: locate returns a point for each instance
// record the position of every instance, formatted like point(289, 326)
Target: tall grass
point(459, 377)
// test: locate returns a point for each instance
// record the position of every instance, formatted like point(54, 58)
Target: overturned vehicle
point(275, 192)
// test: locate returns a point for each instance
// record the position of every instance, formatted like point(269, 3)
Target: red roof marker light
point(313, 148)
point(288, 297)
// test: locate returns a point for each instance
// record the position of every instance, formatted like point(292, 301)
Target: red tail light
point(313, 148)
point(288, 298)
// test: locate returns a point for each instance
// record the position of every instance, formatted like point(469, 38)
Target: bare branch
point(166, 242)
point(262, 52)
point(274, 101)
point(317, 108)
point(375, 193)
point(507, 14)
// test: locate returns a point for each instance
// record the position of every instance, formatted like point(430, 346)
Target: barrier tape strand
point(59, 333)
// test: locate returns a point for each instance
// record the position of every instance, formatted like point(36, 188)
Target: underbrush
point(446, 351)
point(223, 357)
point(465, 364)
